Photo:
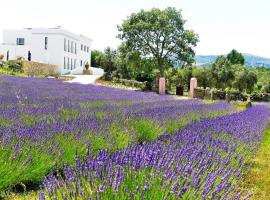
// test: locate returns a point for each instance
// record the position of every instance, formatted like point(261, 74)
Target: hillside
point(250, 60)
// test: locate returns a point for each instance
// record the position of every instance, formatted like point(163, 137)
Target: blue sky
point(221, 24)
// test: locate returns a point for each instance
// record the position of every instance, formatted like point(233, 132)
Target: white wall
point(35, 43)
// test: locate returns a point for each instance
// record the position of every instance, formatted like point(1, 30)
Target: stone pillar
point(162, 86)
point(249, 104)
point(193, 85)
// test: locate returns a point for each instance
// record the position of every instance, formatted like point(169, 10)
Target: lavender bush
point(45, 123)
point(205, 160)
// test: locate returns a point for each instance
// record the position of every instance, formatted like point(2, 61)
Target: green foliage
point(96, 58)
point(91, 105)
point(222, 72)
point(15, 66)
point(100, 115)
point(174, 125)
point(4, 122)
point(203, 75)
point(146, 130)
point(68, 114)
point(28, 120)
point(30, 164)
point(234, 57)
point(120, 137)
point(7, 70)
point(240, 106)
point(108, 63)
point(98, 142)
point(153, 33)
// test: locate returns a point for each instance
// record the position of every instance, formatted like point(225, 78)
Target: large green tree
point(204, 76)
point(222, 72)
point(159, 35)
point(251, 80)
point(236, 58)
point(96, 57)
point(108, 62)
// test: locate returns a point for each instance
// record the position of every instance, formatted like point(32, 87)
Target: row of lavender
point(45, 122)
point(205, 160)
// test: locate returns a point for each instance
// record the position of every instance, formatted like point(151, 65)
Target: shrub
point(15, 65)
point(131, 83)
point(260, 96)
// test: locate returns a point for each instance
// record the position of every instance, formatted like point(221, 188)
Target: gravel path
point(84, 79)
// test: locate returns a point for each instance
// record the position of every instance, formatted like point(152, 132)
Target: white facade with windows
point(56, 46)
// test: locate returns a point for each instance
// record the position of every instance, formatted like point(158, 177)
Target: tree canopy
point(222, 72)
point(236, 58)
point(159, 35)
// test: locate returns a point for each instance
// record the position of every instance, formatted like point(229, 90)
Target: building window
point(87, 49)
point(81, 47)
point(68, 64)
point(71, 63)
point(75, 61)
point(84, 48)
point(64, 62)
point(20, 41)
point(72, 48)
point(68, 46)
point(75, 48)
point(46, 43)
point(81, 63)
point(65, 44)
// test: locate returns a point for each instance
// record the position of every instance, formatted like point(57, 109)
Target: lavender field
point(72, 141)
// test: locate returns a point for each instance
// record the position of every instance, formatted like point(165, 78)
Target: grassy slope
point(257, 181)
point(6, 71)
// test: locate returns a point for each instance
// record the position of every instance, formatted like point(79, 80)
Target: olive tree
point(159, 35)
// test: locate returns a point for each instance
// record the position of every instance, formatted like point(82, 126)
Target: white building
point(56, 46)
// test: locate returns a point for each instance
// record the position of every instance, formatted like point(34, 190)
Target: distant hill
point(250, 60)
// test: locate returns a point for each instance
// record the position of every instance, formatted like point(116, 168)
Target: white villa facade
point(55, 46)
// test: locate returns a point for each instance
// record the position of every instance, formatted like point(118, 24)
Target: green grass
point(239, 105)
point(258, 180)
point(6, 71)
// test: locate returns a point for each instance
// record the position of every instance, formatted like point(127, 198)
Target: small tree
point(159, 35)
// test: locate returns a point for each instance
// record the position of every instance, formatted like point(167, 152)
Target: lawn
point(257, 183)
point(72, 141)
